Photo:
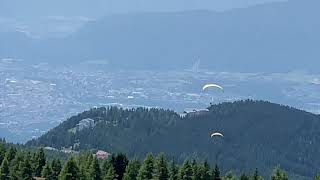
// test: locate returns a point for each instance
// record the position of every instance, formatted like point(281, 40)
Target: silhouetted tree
point(4, 170)
point(132, 170)
point(173, 171)
point(160, 168)
point(95, 171)
point(40, 162)
point(185, 172)
point(47, 172)
point(70, 170)
point(146, 169)
point(278, 174)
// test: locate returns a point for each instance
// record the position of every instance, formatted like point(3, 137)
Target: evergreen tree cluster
point(258, 134)
point(17, 164)
point(118, 167)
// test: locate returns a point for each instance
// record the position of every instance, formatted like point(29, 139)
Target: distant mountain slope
point(98, 8)
point(272, 37)
point(257, 134)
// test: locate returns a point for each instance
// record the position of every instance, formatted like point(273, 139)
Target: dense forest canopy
point(17, 163)
point(257, 134)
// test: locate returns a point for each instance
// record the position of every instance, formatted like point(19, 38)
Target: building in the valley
point(102, 154)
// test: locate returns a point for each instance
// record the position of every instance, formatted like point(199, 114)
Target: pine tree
point(85, 162)
point(132, 170)
point(2, 152)
point(216, 173)
point(256, 175)
point(185, 172)
point(146, 170)
point(15, 170)
point(4, 170)
point(196, 170)
point(243, 176)
point(106, 165)
point(173, 171)
point(47, 172)
point(70, 170)
point(11, 154)
point(83, 173)
point(40, 162)
point(160, 168)
point(278, 174)
point(56, 169)
point(120, 163)
point(33, 162)
point(95, 171)
point(229, 176)
point(26, 169)
point(111, 174)
point(205, 171)
point(89, 160)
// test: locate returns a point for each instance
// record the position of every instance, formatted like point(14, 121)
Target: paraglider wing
point(216, 134)
point(212, 86)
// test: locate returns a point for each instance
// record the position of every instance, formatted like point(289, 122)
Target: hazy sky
point(98, 8)
point(50, 18)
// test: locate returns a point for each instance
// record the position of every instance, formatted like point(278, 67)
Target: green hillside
point(257, 134)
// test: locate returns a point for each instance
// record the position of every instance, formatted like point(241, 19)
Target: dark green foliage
point(47, 172)
point(216, 173)
point(2, 152)
point(119, 163)
point(278, 174)
point(205, 171)
point(84, 174)
point(40, 162)
point(173, 171)
point(146, 169)
point(243, 176)
point(85, 162)
point(15, 165)
point(229, 176)
point(256, 175)
point(4, 170)
point(70, 170)
point(141, 130)
point(160, 168)
point(95, 171)
point(132, 170)
point(87, 167)
point(185, 172)
point(25, 168)
point(56, 168)
point(196, 170)
point(106, 165)
point(11, 153)
point(111, 174)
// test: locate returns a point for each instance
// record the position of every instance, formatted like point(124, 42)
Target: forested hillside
point(18, 164)
point(257, 134)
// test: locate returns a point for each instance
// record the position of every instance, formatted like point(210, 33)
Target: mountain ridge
point(256, 134)
point(275, 37)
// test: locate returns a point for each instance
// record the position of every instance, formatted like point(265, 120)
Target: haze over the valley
point(43, 19)
point(59, 58)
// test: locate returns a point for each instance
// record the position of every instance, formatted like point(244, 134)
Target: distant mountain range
point(273, 37)
point(98, 8)
point(256, 134)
